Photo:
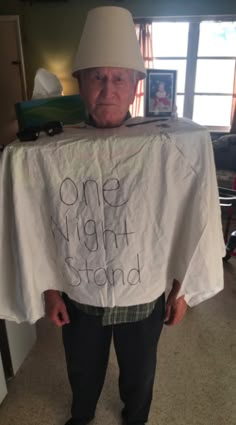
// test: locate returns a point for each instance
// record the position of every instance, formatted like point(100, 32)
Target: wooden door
point(12, 76)
point(15, 340)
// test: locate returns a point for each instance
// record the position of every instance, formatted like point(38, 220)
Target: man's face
point(108, 93)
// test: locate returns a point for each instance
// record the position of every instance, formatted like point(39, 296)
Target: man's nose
point(108, 88)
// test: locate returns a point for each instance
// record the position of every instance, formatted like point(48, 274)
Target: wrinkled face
point(108, 93)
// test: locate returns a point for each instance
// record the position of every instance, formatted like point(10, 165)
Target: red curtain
point(144, 35)
point(233, 110)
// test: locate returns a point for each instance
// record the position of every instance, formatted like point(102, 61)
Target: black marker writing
point(87, 185)
point(92, 234)
point(102, 276)
point(108, 187)
point(68, 186)
point(92, 192)
point(65, 236)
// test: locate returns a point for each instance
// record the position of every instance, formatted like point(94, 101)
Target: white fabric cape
point(110, 217)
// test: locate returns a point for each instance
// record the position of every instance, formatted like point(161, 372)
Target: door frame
point(16, 20)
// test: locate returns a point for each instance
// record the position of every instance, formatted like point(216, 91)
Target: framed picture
point(160, 92)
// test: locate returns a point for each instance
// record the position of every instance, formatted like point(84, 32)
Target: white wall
point(21, 338)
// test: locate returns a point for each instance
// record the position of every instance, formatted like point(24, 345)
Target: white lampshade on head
point(109, 39)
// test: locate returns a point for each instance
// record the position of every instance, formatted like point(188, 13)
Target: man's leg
point(136, 346)
point(86, 344)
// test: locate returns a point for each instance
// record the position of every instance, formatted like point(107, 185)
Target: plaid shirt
point(115, 315)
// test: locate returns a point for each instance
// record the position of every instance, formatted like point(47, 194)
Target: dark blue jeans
point(87, 345)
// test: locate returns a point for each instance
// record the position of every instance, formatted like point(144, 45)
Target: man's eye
point(98, 77)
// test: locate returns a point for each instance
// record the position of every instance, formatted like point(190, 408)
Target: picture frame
point(160, 92)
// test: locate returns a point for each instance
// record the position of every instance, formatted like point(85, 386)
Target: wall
point(51, 31)
point(180, 7)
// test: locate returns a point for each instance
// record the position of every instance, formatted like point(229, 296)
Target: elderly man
point(108, 82)
point(108, 93)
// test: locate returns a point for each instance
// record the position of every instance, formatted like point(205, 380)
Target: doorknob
point(16, 63)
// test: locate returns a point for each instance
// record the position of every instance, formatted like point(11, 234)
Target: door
point(12, 76)
point(15, 340)
point(3, 388)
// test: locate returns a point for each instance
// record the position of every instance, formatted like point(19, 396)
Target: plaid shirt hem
point(115, 315)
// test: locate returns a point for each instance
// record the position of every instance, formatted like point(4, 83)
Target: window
point(204, 54)
point(171, 53)
point(215, 73)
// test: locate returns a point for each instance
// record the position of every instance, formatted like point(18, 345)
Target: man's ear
point(80, 85)
point(134, 92)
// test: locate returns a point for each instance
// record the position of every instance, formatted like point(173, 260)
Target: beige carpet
point(196, 382)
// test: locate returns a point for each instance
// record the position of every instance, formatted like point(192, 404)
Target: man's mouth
point(106, 104)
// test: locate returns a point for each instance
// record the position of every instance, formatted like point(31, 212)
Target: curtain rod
point(189, 18)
